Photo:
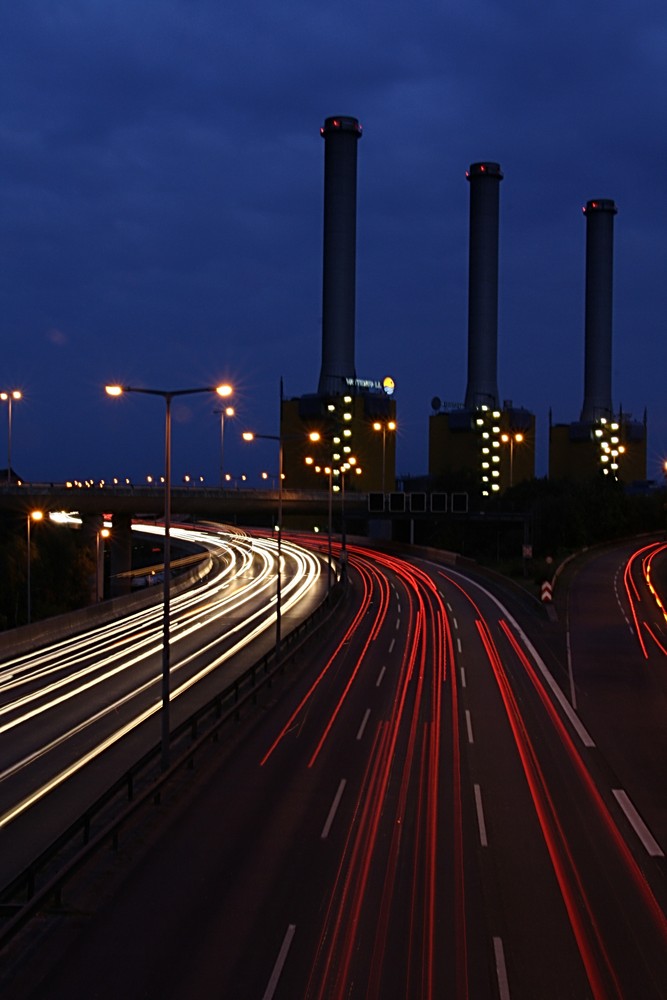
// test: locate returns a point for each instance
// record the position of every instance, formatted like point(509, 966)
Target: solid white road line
point(572, 716)
point(332, 811)
point(651, 845)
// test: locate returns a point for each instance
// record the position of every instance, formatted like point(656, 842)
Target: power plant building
point(356, 418)
point(482, 445)
point(485, 444)
point(601, 441)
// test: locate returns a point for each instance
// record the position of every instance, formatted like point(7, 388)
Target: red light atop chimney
point(336, 123)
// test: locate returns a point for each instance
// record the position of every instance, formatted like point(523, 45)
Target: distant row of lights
point(188, 480)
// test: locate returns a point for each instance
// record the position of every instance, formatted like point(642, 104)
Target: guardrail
point(143, 783)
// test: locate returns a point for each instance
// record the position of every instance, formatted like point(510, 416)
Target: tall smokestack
point(340, 136)
point(482, 388)
point(599, 268)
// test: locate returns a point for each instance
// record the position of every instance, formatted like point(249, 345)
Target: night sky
point(161, 189)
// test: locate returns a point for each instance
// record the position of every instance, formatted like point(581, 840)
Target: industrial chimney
point(340, 136)
point(482, 388)
point(599, 267)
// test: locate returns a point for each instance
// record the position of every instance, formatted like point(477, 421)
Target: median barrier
point(25, 638)
point(143, 783)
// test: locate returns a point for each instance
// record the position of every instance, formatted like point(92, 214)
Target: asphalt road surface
point(422, 813)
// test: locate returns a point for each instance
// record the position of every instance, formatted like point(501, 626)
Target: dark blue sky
point(161, 184)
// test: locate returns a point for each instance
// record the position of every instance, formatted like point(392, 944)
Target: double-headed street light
point(328, 472)
point(251, 436)
point(512, 439)
point(384, 426)
point(118, 390)
point(9, 397)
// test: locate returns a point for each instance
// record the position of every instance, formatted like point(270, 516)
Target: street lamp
point(101, 535)
point(118, 390)
point(390, 425)
point(251, 436)
point(328, 472)
point(9, 396)
point(224, 411)
point(34, 515)
point(512, 438)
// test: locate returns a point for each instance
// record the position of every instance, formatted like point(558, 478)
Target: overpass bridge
point(215, 503)
point(356, 512)
point(301, 509)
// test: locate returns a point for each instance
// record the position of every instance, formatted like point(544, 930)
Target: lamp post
point(118, 390)
point(345, 468)
point(101, 535)
point(251, 436)
point(328, 472)
point(512, 438)
point(389, 425)
point(9, 396)
point(34, 515)
point(224, 411)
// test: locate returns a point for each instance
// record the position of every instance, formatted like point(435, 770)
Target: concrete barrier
point(17, 641)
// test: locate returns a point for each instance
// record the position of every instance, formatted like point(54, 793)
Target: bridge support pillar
point(91, 528)
point(121, 555)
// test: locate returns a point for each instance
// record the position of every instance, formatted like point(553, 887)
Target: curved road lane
point(421, 814)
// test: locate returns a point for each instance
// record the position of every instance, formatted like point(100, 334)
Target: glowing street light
point(10, 396)
point(512, 439)
point(36, 516)
point(224, 411)
point(389, 425)
point(100, 538)
point(118, 390)
point(252, 436)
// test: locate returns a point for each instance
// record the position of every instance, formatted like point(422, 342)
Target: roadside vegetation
point(62, 570)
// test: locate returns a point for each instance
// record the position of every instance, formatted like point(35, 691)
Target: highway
point(421, 814)
point(75, 714)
